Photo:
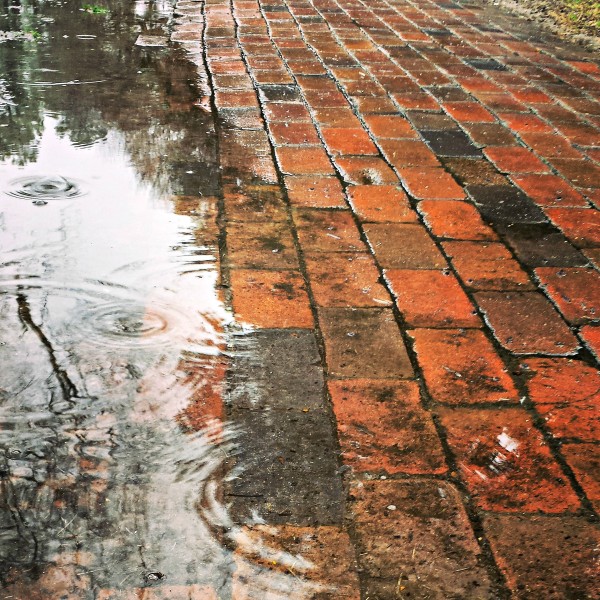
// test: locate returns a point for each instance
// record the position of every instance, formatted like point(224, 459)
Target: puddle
point(113, 449)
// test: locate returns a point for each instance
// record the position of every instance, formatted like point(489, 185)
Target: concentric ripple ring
point(45, 187)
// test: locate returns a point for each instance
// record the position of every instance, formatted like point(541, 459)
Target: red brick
point(235, 99)
point(304, 160)
point(366, 170)
point(530, 95)
point(416, 101)
point(431, 184)
point(381, 204)
point(261, 245)
point(345, 280)
point(431, 299)
point(550, 145)
point(478, 84)
point(576, 292)
point(415, 541)
point(501, 102)
point(462, 367)
point(408, 153)
point(364, 343)
point(270, 299)
point(342, 140)
point(584, 459)
point(505, 461)
point(515, 159)
point(549, 190)
point(382, 427)
point(455, 220)
point(525, 123)
point(403, 246)
point(315, 192)
point(487, 266)
point(526, 323)
point(490, 134)
point(546, 558)
point(468, 112)
point(579, 133)
point(327, 231)
point(294, 133)
point(591, 336)
point(287, 112)
point(336, 117)
point(581, 173)
point(580, 225)
point(391, 126)
point(567, 394)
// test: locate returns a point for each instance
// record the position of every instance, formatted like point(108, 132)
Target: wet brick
point(431, 299)
point(381, 204)
point(485, 64)
point(526, 323)
point(505, 204)
point(549, 190)
point(261, 245)
point(580, 173)
point(487, 266)
point(327, 231)
point(414, 538)
point(382, 427)
point(470, 171)
point(546, 558)
point(454, 219)
point(288, 463)
point(293, 133)
point(161, 592)
point(567, 394)
point(345, 280)
point(270, 299)
point(468, 112)
point(364, 343)
point(462, 366)
point(490, 134)
point(315, 192)
point(584, 459)
point(275, 369)
point(390, 126)
point(576, 292)
point(542, 244)
point(403, 246)
point(431, 184)
point(427, 121)
point(505, 462)
point(305, 160)
point(342, 140)
point(580, 225)
point(591, 336)
point(360, 170)
point(408, 153)
point(450, 143)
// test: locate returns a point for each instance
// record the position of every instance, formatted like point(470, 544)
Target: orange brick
point(294, 133)
point(505, 462)
point(487, 266)
point(549, 190)
point(431, 184)
point(408, 153)
point(580, 225)
point(567, 394)
point(584, 459)
point(365, 170)
point(461, 366)
point(304, 160)
point(456, 220)
point(515, 159)
point(591, 336)
point(575, 291)
point(468, 112)
point(270, 299)
point(382, 427)
point(431, 299)
point(343, 140)
point(391, 126)
point(525, 123)
point(345, 279)
point(381, 204)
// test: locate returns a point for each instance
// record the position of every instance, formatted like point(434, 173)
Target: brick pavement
point(410, 226)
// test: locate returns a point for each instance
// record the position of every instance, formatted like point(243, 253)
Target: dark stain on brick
point(505, 204)
point(450, 143)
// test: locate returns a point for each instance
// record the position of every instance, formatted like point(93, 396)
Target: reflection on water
point(113, 451)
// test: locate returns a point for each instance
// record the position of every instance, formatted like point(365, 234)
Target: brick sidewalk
point(410, 223)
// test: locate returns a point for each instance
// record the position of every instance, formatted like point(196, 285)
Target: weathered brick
point(580, 225)
point(567, 394)
point(364, 343)
point(462, 367)
point(584, 459)
point(361, 170)
point(505, 462)
point(382, 427)
point(344, 140)
point(381, 204)
point(304, 160)
point(515, 159)
point(327, 231)
point(456, 220)
point(549, 190)
point(431, 299)
point(526, 323)
point(431, 184)
point(414, 538)
point(270, 299)
point(315, 192)
point(403, 246)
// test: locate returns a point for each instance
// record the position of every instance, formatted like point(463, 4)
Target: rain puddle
point(113, 452)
